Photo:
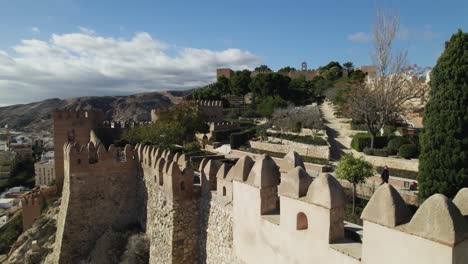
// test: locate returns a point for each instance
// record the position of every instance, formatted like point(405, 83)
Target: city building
point(44, 171)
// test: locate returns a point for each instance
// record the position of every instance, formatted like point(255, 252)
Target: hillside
point(37, 116)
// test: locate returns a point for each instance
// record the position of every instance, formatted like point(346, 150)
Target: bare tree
point(394, 83)
point(296, 118)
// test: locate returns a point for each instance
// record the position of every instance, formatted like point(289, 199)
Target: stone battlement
point(81, 156)
point(208, 103)
point(311, 215)
point(172, 173)
point(246, 213)
point(215, 126)
point(80, 114)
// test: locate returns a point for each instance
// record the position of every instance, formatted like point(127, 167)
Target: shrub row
point(413, 175)
point(240, 138)
point(408, 151)
point(314, 160)
point(358, 126)
point(318, 141)
point(363, 140)
point(395, 143)
point(376, 152)
point(223, 135)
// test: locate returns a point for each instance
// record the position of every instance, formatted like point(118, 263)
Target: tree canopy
point(355, 170)
point(263, 68)
point(176, 125)
point(443, 163)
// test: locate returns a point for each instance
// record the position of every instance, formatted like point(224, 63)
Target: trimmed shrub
point(355, 125)
point(376, 152)
point(399, 173)
point(318, 141)
point(192, 146)
point(223, 135)
point(395, 143)
point(408, 151)
point(363, 140)
point(239, 139)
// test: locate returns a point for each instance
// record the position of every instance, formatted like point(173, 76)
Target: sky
point(69, 48)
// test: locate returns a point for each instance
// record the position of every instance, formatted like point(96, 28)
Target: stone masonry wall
point(174, 231)
point(96, 197)
point(288, 146)
point(216, 227)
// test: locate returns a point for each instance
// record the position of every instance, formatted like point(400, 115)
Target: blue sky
point(192, 38)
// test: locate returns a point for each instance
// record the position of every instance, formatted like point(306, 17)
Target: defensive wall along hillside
point(99, 194)
point(247, 213)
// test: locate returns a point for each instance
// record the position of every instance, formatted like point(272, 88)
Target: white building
point(44, 172)
point(6, 203)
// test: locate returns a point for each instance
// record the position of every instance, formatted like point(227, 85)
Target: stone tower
point(72, 126)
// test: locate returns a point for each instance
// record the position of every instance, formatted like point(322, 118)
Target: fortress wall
point(172, 207)
point(308, 224)
point(216, 226)
point(71, 126)
point(96, 197)
point(288, 146)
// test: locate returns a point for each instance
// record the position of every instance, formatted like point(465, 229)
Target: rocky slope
point(36, 245)
point(37, 116)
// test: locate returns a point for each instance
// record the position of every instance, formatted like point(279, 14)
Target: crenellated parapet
point(99, 193)
point(438, 231)
point(169, 172)
point(216, 126)
point(209, 103)
point(91, 157)
point(308, 212)
point(78, 115)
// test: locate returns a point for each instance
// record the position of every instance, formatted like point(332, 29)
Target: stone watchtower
point(72, 127)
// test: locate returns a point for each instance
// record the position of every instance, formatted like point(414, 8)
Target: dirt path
point(336, 131)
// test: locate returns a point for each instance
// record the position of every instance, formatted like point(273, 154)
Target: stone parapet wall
point(98, 194)
point(395, 163)
point(310, 167)
point(216, 226)
point(286, 146)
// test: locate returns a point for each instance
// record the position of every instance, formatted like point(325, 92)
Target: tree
point(348, 66)
point(395, 83)
point(240, 82)
point(267, 105)
point(270, 84)
point(355, 170)
point(263, 68)
point(176, 125)
point(358, 76)
point(287, 69)
point(296, 118)
point(332, 74)
point(443, 163)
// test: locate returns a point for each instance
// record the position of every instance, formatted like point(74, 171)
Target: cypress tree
point(443, 163)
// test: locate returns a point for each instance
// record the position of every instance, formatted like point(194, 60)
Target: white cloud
point(85, 64)
point(359, 37)
point(87, 31)
point(35, 30)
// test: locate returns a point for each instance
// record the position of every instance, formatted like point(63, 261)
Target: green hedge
point(363, 140)
point(358, 126)
point(376, 152)
point(395, 143)
point(413, 175)
point(223, 135)
point(238, 139)
point(314, 160)
point(300, 139)
point(408, 151)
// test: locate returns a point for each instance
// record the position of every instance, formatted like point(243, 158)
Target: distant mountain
point(37, 116)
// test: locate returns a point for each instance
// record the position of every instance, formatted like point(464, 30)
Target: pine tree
point(443, 163)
